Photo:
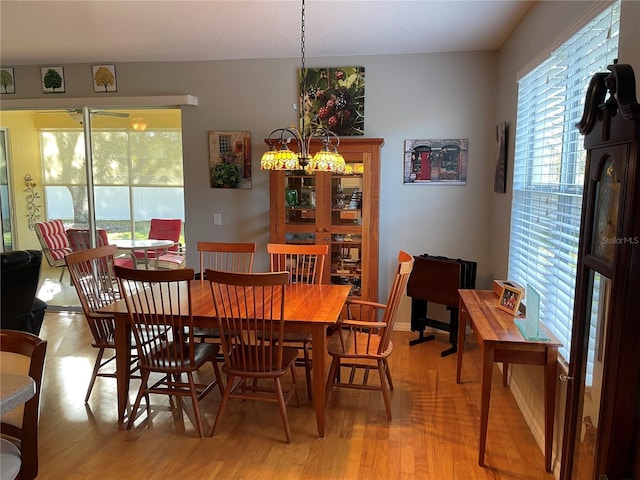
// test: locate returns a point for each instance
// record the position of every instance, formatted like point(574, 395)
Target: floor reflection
point(59, 295)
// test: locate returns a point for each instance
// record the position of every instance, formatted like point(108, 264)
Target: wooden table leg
point(486, 350)
point(550, 375)
point(123, 360)
point(318, 351)
point(462, 330)
point(505, 374)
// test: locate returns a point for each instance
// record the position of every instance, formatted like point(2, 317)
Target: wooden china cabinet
point(602, 418)
point(339, 210)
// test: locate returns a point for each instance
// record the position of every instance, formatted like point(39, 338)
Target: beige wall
point(407, 96)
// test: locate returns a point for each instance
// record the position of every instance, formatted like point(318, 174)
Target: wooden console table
point(500, 340)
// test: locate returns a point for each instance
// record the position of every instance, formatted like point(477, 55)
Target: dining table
point(15, 389)
point(143, 245)
point(308, 308)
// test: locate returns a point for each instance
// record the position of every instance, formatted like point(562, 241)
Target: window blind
point(549, 164)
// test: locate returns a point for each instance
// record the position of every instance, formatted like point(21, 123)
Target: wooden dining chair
point(305, 264)
point(160, 316)
point(226, 257)
point(94, 279)
point(23, 353)
point(250, 310)
point(365, 344)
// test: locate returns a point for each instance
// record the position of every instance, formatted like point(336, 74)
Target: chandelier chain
point(302, 36)
point(303, 72)
point(327, 160)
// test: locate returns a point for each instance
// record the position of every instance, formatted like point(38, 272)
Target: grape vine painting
point(104, 78)
point(52, 80)
point(334, 99)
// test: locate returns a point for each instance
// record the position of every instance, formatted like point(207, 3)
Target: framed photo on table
point(510, 298)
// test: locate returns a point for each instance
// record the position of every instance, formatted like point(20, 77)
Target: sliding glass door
point(135, 176)
point(130, 172)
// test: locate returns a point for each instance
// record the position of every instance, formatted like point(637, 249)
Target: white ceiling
point(111, 31)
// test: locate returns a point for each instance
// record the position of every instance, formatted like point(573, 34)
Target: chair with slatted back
point(305, 264)
point(250, 309)
point(160, 316)
point(94, 279)
point(80, 239)
point(21, 353)
point(54, 242)
point(164, 229)
point(365, 344)
point(226, 257)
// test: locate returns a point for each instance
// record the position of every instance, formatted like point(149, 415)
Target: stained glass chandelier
point(280, 157)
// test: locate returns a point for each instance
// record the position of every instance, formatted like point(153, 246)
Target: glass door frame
point(7, 217)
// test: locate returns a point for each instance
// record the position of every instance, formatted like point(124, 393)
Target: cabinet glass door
point(300, 208)
point(346, 227)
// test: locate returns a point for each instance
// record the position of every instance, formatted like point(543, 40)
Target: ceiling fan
point(76, 113)
point(107, 113)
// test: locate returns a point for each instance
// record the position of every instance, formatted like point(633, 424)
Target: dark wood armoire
point(602, 419)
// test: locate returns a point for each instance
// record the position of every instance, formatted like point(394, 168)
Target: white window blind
point(549, 168)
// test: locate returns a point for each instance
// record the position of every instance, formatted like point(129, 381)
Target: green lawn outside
point(121, 229)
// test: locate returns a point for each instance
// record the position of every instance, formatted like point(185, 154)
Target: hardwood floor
point(433, 434)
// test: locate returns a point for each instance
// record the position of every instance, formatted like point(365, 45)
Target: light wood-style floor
point(433, 434)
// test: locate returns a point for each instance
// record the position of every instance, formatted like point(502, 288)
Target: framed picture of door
point(436, 161)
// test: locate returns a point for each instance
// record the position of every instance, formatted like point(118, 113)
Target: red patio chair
point(79, 239)
point(165, 229)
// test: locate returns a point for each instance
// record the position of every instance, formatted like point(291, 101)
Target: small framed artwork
point(52, 80)
point(230, 159)
point(510, 298)
point(104, 78)
point(7, 80)
point(436, 161)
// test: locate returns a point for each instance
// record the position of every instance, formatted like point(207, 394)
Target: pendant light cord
point(303, 72)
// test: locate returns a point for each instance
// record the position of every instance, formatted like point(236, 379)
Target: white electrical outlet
point(217, 219)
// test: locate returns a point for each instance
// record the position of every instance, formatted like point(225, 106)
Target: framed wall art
point(500, 179)
point(334, 99)
point(436, 161)
point(7, 80)
point(104, 78)
point(52, 80)
point(229, 159)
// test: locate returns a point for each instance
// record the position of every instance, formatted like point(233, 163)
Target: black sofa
point(20, 309)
